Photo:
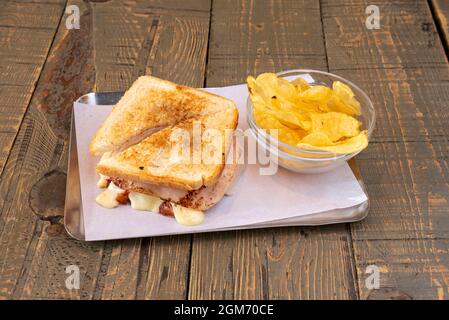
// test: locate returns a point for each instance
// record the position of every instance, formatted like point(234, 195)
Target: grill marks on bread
point(152, 103)
point(160, 107)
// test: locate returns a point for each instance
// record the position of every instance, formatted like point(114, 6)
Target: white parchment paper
point(256, 199)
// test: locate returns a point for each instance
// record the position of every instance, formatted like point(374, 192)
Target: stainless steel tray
point(73, 213)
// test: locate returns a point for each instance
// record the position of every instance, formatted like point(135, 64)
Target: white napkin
point(256, 200)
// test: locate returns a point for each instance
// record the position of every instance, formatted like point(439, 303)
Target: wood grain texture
point(440, 10)
point(26, 34)
point(126, 50)
point(35, 249)
point(403, 68)
point(251, 37)
point(35, 201)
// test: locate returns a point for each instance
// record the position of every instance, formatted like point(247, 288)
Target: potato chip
point(255, 90)
point(319, 142)
point(269, 86)
point(300, 84)
point(289, 115)
point(306, 107)
point(317, 139)
point(280, 105)
point(286, 90)
point(316, 94)
point(347, 101)
point(293, 120)
point(337, 105)
point(335, 125)
point(289, 136)
point(342, 90)
point(305, 116)
point(285, 134)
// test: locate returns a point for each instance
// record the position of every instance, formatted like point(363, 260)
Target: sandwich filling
point(114, 195)
point(185, 206)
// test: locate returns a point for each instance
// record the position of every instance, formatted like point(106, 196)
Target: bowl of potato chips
point(309, 121)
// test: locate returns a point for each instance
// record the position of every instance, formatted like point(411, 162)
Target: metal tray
point(73, 213)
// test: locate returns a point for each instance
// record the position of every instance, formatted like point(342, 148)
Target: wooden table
point(403, 66)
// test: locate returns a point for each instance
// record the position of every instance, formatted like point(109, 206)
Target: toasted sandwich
point(166, 148)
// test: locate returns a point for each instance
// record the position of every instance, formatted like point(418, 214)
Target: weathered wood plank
point(410, 269)
point(355, 39)
point(250, 37)
point(123, 53)
point(403, 68)
point(35, 201)
point(26, 34)
point(440, 10)
point(25, 38)
point(34, 247)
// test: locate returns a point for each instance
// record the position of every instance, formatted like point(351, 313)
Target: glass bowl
point(304, 160)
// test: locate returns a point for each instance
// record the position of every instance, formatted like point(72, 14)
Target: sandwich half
point(167, 148)
point(152, 104)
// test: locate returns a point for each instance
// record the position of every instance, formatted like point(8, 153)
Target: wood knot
point(47, 196)
point(259, 26)
point(388, 294)
point(426, 26)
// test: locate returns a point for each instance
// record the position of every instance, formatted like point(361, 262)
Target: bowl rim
point(331, 156)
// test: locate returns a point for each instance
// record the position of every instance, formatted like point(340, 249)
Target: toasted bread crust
point(152, 103)
point(147, 161)
point(173, 182)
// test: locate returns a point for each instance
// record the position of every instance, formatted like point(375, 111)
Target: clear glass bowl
point(303, 160)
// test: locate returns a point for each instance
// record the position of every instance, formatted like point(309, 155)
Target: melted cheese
point(102, 182)
point(184, 216)
point(140, 201)
point(187, 216)
point(108, 198)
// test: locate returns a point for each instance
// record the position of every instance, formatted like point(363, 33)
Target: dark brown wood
point(251, 37)
point(40, 150)
point(403, 68)
point(117, 42)
point(26, 34)
point(440, 10)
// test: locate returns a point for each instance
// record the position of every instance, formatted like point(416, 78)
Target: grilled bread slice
point(150, 105)
point(200, 199)
point(158, 158)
